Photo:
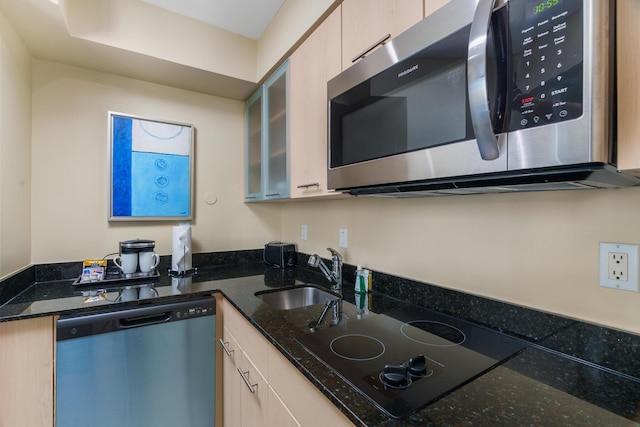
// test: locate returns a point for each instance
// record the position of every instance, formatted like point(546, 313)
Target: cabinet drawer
point(254, 393)
point(232, 350)
point(251, 341)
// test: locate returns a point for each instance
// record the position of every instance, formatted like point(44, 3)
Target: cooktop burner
point(404, 360)
point(439, 334)
point(357, 347)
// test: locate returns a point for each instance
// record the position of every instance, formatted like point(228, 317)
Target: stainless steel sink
point(300, 296)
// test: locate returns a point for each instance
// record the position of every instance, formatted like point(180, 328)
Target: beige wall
point(534, 249)
point(70, 166)
point(149, 30)
point(15, 151)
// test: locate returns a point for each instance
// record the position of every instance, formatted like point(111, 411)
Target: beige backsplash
point(534, 249)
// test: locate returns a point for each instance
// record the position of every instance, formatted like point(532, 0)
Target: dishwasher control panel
point(132, 316)
point(197, 311)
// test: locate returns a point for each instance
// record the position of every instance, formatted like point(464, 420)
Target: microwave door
point(411, 121)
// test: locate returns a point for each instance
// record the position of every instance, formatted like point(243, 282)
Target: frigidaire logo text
point(407, 71)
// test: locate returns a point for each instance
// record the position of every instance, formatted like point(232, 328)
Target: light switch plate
point(343, 238)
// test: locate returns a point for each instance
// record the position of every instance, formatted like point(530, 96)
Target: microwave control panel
point(547, 61)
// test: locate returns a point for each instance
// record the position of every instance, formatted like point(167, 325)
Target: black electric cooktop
point(406, 359)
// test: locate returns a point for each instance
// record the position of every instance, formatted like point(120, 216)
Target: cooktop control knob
point(417, 366)
point(395, 376)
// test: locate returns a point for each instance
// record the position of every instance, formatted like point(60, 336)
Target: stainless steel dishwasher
point(143, 366)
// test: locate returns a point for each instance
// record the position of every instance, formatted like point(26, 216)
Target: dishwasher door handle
point(134, 322)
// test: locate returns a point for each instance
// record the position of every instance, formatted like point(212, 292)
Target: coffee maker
point(137, 258)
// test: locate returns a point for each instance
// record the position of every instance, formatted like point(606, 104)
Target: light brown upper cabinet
point(628, 32)
point(431, 6)
point(312, 65)
point(267, 139)
point(365, 23)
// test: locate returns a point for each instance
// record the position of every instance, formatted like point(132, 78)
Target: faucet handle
point(335, 253)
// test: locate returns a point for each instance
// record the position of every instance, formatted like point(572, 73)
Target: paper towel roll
point(181, 248)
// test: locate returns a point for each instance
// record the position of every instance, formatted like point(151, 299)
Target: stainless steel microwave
point(481, 96)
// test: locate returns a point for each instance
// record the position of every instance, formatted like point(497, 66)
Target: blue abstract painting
point(151, 170)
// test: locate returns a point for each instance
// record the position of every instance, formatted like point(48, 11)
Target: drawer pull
point(225, 348)
point(313, 184)
point(370, 48)
point(273, 194)
point(250, 386)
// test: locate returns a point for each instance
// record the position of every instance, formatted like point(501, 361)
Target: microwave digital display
point(545, 5)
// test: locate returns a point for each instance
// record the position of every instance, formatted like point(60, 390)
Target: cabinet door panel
point(366, 21)
point(253, 147)
point(26, 372)
point(431, 6)
point(294, 389)
point(267, 139)
point(249, 339)
point(277, 413)
point(254, 392)
point(628, 62)
point(232, 412)
point(277, 135)
point(313, 64)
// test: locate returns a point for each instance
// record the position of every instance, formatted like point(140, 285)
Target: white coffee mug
point(128, 294)
point(128, 263)
point(148, 261)
point(147, 292)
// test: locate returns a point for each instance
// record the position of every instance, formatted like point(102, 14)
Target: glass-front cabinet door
point(253, 160)
point(277, 100)
point(267, 139)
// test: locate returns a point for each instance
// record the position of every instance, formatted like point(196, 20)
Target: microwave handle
point(477, 81)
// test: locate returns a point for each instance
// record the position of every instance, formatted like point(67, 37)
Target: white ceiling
point(246, 17)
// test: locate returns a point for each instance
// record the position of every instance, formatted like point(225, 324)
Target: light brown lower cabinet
point(261, 387)
point(26, 372)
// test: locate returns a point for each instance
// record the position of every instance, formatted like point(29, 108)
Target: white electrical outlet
point(619, 266)
point(343, 238)
point(304, 231)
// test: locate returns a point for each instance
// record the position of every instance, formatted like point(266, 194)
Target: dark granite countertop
point(570, 373)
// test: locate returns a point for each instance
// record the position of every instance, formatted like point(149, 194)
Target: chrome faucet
point(334, 275)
